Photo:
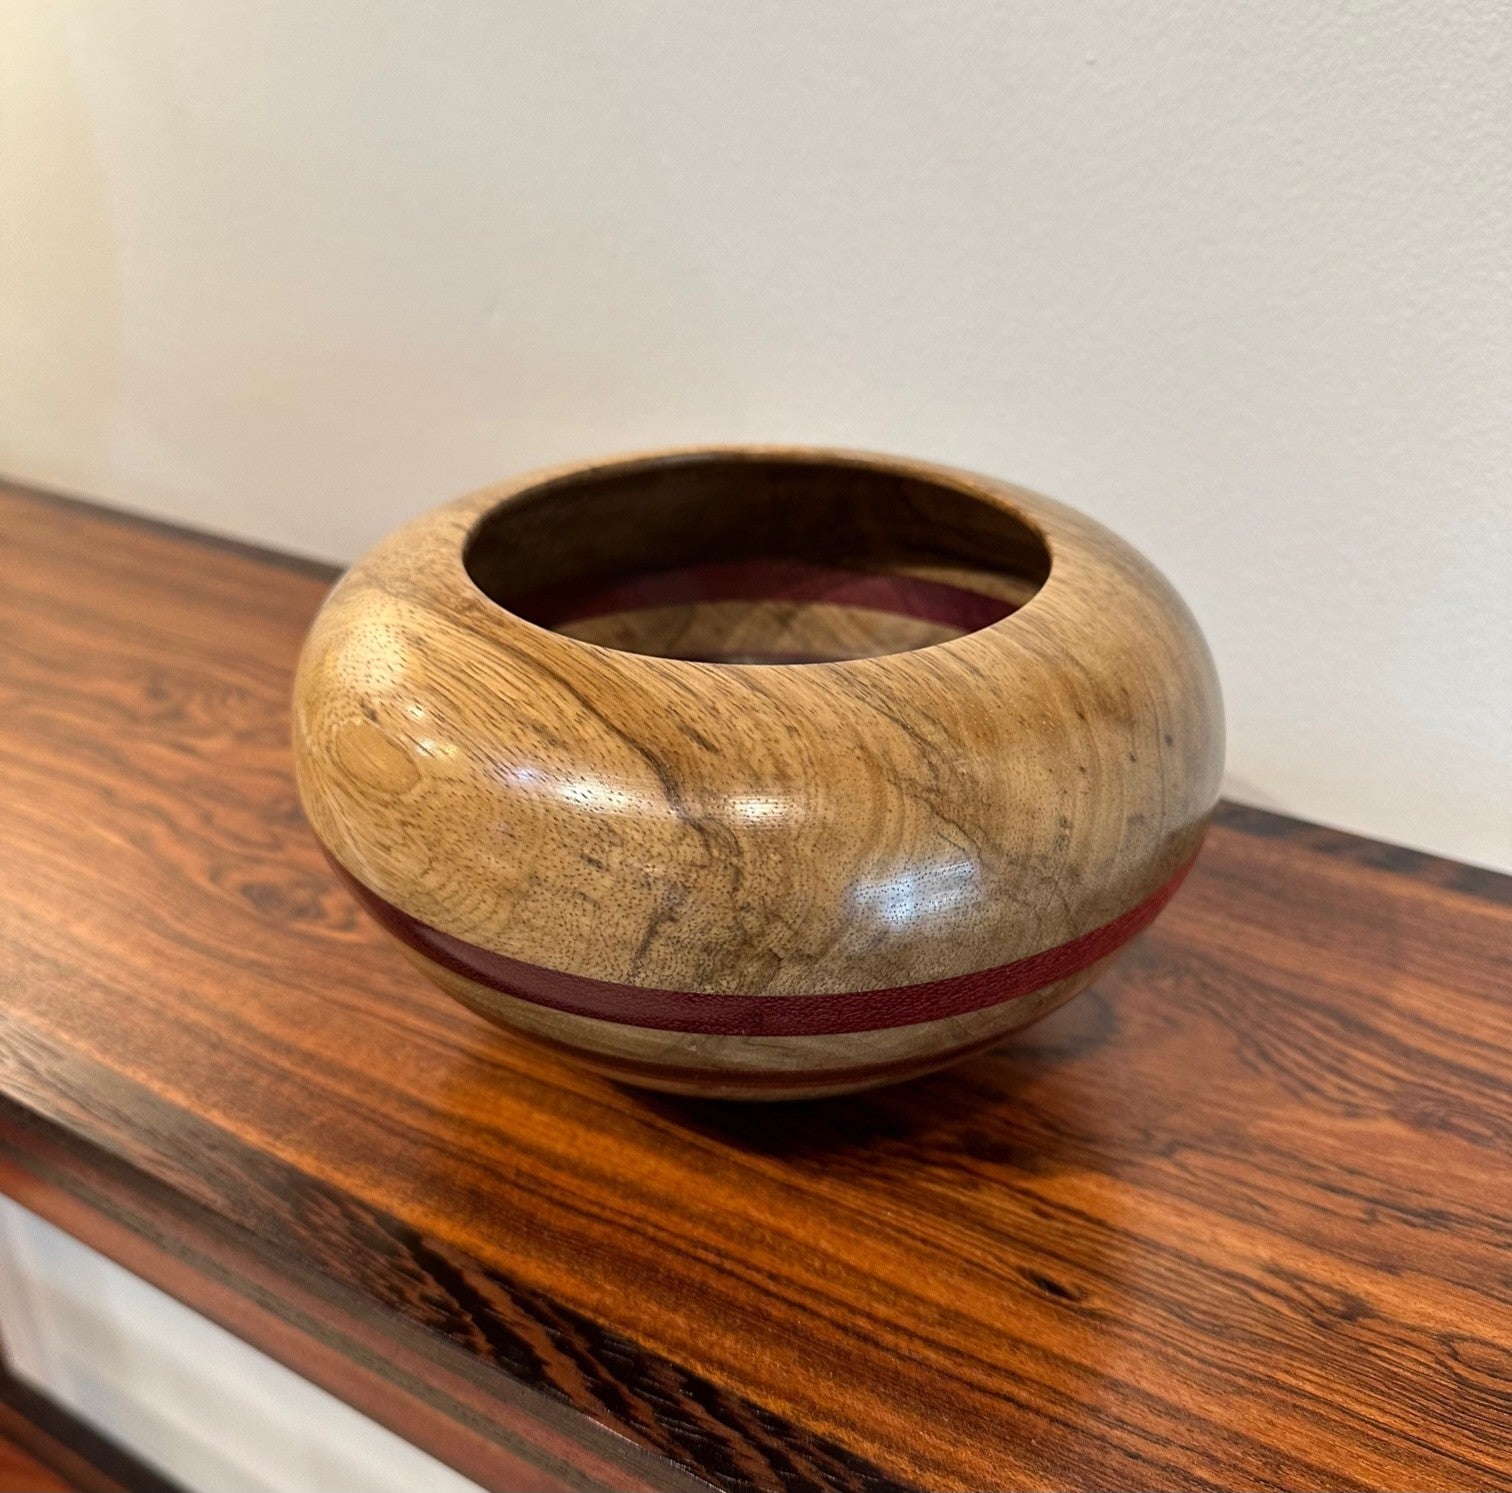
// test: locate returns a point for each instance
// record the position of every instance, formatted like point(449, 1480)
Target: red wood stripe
point(761, 1015)
point(767, 580)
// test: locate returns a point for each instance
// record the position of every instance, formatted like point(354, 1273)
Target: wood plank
point(1239, 1216)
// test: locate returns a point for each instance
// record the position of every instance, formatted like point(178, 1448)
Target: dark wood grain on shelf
point(1238, 1217)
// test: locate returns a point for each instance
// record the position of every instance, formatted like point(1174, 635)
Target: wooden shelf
point(1239, 1217)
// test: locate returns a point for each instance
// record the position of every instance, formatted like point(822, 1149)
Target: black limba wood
point(1237, 1217)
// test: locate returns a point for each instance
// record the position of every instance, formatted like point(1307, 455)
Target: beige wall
point(1233, 278)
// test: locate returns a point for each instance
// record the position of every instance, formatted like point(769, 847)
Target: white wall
point(1233, 278)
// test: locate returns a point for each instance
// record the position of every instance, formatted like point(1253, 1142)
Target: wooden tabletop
point(1239, 1217)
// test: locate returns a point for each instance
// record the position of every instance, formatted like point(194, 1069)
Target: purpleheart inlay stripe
point(761, 1015)
point(767, 580)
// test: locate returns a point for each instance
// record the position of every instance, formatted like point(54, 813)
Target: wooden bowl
point(758, 773)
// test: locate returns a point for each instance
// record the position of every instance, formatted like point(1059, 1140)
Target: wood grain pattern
point(1239, 1216)
point(687, 852)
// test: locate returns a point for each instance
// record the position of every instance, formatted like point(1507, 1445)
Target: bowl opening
point(733, 559)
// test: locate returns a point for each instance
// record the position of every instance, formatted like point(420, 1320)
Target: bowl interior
point(734, 559)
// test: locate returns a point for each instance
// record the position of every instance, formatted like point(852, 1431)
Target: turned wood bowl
point(758, 773)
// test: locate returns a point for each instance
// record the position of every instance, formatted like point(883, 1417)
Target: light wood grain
point(728, 829)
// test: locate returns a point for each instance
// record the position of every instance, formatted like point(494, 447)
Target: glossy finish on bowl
point(930, 750)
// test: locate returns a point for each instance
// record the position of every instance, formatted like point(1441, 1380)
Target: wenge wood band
point(761, 1015)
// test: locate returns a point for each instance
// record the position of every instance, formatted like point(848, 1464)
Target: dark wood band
point(761, 1015)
